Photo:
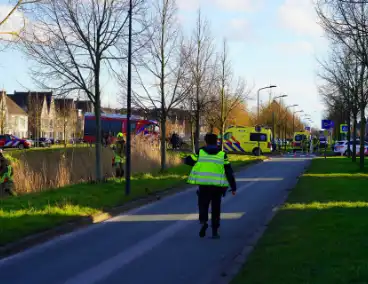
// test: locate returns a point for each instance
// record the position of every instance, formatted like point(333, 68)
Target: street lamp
point(273, 114)
point(268, 87)
point(295, 105)
point(294, 118)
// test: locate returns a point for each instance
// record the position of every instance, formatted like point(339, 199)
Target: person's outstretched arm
point(191, 160)
point(230, 174)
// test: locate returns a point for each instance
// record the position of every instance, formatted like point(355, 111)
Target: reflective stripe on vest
point(7, 175)
point(209, 170)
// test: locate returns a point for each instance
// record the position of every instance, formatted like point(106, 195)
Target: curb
point(81, 222)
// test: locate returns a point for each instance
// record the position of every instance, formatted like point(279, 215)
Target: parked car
point(42, 142)
point(341, 147)
point(11, 141)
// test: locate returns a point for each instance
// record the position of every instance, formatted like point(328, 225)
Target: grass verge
point(319, 235)
point(28, 214)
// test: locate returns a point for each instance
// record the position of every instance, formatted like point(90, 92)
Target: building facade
point(13, 119)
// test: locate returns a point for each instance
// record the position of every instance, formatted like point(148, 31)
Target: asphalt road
point(159, 243)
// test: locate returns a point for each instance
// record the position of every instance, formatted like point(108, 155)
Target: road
point(159, 243)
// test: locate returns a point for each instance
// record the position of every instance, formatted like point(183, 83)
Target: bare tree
point(72, 42)
point(66, 117)
point(232, 93)
point(203, 72)
point(165, 63)
point(346, 23)
point(12, 11)
point(342, 74)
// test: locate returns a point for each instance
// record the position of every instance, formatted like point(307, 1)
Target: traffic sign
point(344, 128)
point(327, 124)
point(307, 128)
point(258, 128)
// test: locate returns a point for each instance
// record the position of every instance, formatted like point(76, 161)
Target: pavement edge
point(38, 238)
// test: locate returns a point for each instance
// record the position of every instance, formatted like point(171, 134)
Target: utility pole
point(129, 105)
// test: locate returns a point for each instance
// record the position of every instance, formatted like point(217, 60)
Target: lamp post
point(268, 87)
point(294, 118)
point(273, 115)
point(129, 104)
point(286, 122)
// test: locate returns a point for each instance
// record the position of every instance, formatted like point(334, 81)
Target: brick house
point(13, 119)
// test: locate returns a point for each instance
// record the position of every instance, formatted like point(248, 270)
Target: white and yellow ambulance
point(244, 139)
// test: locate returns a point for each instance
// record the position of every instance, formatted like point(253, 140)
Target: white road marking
point(107, 267)
point(172, 217)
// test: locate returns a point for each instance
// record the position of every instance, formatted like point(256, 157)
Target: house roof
point(85, 106)
point(23, 99)
point(13, 108)
point(61, 104)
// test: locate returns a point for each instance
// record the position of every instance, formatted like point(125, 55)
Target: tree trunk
point(64, 130)
point(222, 130)
point(98, 123)
point(163, 141)
point(353, 157)
point(362, 136)
point(197, 129)
point(349, 134)
point(192, 144)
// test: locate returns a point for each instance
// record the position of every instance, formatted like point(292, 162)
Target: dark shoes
point(215, 234)
point(202, 232)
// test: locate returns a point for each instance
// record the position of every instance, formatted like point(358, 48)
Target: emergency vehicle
point(298, 138)
point(244, 139)
point(11, 141)
point(115, 123)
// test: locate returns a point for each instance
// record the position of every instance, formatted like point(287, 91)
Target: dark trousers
point(207, 195)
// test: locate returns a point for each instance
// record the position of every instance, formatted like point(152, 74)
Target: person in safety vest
point(119, 155)
point(6, 176)
point(213, 173)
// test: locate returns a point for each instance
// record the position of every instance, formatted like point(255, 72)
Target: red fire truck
point(114, 123)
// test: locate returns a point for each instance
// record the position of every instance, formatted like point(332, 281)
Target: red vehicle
point(11, 141)
point(115, 123)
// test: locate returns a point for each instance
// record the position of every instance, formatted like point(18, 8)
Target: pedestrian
point(213, 174)
point(119, 155)
point(6, 176)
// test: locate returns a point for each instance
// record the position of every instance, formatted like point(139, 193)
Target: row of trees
point(72, 43)
point(345, 71)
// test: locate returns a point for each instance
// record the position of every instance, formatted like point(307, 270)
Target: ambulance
point(244, 139)
point(298, 138)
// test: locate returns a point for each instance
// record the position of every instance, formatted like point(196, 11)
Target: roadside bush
point(41, 170)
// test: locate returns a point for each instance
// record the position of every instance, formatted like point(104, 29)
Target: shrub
point(41, 170)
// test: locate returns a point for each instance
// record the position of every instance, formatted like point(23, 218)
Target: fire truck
point(112, 124)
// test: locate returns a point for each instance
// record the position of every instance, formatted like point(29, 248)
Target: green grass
point(320, 234)
point(27, 214)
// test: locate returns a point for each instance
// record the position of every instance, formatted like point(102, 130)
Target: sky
point(270, 42)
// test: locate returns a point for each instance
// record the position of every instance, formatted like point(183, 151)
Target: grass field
point(31, 213)
point(320, 235)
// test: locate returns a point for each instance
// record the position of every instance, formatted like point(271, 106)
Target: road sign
point(258, 128)
point(327, 124)
point(307, 128)
point(344, 128)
